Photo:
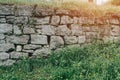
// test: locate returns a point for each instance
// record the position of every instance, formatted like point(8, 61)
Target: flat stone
point(31, 47)
point(81, 39)
point(55, 20)
point(42, 52)
point(17, 55)
point(17, 30)
point(76, 30)
point(114, 21)
point(28, 51)
point(6, 10)
point(21, 20)
point(48, 30)
point(44, 20)
point(6, 47)
point(91, 35)
point(4, 56)
point(2, 20)
point(10, 19)
point(115, 30)
point(28, 30)
point(70, 39)
point(2, 36)
point(63, 30)
point(56, 42)
point(19, 48)
point(8, 62)
point(5, 28)
point(66, 20)
point(62, 12)
point(19, 39)
point(39, 39)
point(2, 42)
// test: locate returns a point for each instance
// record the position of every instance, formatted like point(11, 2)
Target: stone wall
point(27, 31)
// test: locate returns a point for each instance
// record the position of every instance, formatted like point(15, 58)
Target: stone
point(28, 51)
point(87, 29)
point(63, 30)
point(91, 35)
point(28, 30)
point(17, 55)
point(62, 12)
point(114, 21)
point(17, 30)
point(2, 20)
point(39, 39)
point(115, 30)
point(5, 28)
point(48, 30)
point(39, 31)
point(70, 39)
point(19, 39)
point(2, 42)
point(31, 47)
point(4, 56)
point(19, 48)
point(21, 20)
point(2, 36)
point(42, 52)
point(76, 29)
point(66, 20)
point(56, 42)
point(44, 20)
point(81, 39)
point(24, 10)
point(6, 10)
point(8, 62)
point(55, 20)
point(10, 19)
point(6, 47)
point(75, 20)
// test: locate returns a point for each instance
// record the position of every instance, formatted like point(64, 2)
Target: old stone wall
point(27, 31)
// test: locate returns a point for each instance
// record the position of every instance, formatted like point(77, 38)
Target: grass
point(92, 62)
point(90, 9)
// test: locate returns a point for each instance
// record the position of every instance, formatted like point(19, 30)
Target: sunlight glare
point(100, 2)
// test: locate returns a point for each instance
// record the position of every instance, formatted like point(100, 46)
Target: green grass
point(91, 62)
point(91, 9)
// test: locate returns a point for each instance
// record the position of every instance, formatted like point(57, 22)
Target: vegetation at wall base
point(91, 62)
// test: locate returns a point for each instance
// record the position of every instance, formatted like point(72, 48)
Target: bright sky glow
point(100, 2)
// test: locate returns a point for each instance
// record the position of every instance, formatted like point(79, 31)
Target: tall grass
point(92, 62)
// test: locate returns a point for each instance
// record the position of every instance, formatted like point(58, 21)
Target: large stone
point(17, 30)
point(5, 28)
point(24, 10)
point(70, 39)
point(63, 30)
point(56, 42)
point(81, 39)
point(30, 46)
point(28, 30)
point(39, 39)
point(44, 20)
point(19, 39)
point(6, 9)
point(6, 47)
point(17, 55)
point(66, 20)
point(8, 62)
point(4, 56)
point(21, 20)
point(114, 21)
point(55, 20)
point(115, 30)
point(76, 29)
point(2, 36)
point(42, 52)
point(48, 30)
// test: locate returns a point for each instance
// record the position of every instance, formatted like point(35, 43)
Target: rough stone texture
point(4, 56)
point(48, 30)
point(114, 21)
point(6, 47)
point(55, 20)
point(21, 20)
point(66, 20)
point(8, 62)
point(2, 20)
point(19, 48)
point(81, 39)
point(2, 36)
point(19, 39)
point(17, 55)
point(32, 47)
point(42, 52)
point(76, 29)
point(70, 39)
point(17, 30)
point(115, 30)
point(56, 42)
point(38, 39)
point(63, 30)
point(2, 41)
point(28, 30)
point(5, 28)
point(62, 12)
point(44, 20)
point(10, 19)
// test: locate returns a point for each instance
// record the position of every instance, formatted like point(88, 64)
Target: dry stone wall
point(27, 31)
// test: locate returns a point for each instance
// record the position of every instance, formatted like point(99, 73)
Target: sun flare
point(100, 2)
